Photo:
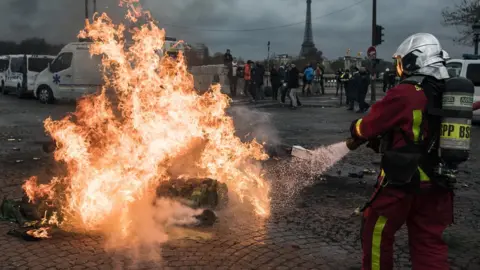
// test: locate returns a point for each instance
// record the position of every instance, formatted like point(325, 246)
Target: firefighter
point(407, 190)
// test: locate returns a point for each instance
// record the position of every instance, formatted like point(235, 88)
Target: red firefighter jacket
point(402, 107)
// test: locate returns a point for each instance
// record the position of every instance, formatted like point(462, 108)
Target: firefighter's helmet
point(421, 54)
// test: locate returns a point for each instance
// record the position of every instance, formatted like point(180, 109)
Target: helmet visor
point(397, 62)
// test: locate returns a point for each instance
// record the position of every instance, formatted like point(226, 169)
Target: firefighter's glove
point(353, 131)
point(354, 143)
point(374, 144)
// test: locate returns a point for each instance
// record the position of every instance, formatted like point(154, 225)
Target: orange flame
point(39, 233)
point(148, 125)
point(33, 190)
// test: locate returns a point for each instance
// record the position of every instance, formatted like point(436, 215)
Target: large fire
point(157, 127)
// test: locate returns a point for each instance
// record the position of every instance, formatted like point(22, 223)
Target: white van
point(468, 67)
point(22, 72)
point(72, 74)
point(75, 73)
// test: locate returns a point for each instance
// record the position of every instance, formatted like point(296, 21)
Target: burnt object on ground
point(23, 235)
point(206, 218)
point(23, 212)
point(195, 192)
point(30, 217)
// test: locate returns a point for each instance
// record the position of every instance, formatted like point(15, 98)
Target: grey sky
point(59, 21)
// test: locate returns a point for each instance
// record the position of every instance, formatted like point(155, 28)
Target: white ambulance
point(22, 72)
point(72, 74)
point(468, 67)
point(75, 73)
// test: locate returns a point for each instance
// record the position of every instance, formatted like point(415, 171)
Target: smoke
point(251, 123)
point(293, 175)
point(156, 223)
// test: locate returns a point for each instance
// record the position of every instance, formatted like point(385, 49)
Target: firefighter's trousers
point(426, 213)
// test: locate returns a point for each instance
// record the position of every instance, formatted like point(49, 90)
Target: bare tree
point(463, 15)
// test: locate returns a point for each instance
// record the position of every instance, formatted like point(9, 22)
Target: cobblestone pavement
point(310, 228)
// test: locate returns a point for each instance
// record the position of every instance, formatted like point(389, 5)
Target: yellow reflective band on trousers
point(357, 127)
point(423, 176)
point(416, 124)
point(376, 242)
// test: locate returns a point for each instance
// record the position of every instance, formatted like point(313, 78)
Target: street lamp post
point(476, 35)
point(268, 63)
point(86, 10)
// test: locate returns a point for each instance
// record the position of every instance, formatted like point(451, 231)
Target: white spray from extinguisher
point(319, 160)
point(307, 166)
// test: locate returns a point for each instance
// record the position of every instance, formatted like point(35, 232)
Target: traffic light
point(378, 35)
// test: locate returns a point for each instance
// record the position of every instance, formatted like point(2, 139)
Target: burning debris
point(35, 219)
point(39, 217)
point(196, 193)
point(119, 156)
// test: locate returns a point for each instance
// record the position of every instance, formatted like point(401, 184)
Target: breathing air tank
point(455, 133)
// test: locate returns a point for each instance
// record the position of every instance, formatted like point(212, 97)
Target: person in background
point(386, 80)
point(227, 58)
point(319, 80)
point(285, 82)
point(247, 76)
point(276, 80)
point(253, 89)
point(352, 88)
point(281, 73)
point(363, 90)
point(344, 79)
point(240, 76)
point(228, 62)
point(391, 79)
point(308, 75)
point(293, 85)
point(232, 78)
point(304, 80)
point(338, 77)
point(259, 77)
